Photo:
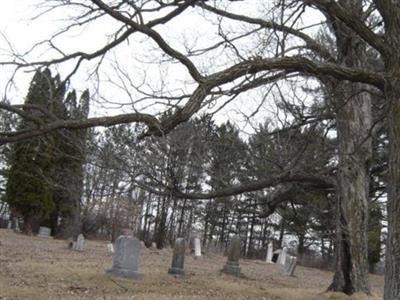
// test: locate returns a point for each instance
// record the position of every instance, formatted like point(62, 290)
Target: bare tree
point(378, 26)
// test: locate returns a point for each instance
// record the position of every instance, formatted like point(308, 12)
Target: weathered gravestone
point(290, 265)
point(178, 258)
point(232, 265)
point(79, 244)
point(126, 256)
point(9, 224)
point(44, 232)
point(282, 256)
point(269, 253)
point(197, 247)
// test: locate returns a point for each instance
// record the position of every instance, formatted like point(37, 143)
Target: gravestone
point(178, 258)
point(44, 232)
point(9, 225)
point(197, 247)
point(232, 265)
point(290, 265)
point(79, 244)
point(126, 256)
point(110, 248)
point(16, 225)
point(269, 253)
point(282, 256)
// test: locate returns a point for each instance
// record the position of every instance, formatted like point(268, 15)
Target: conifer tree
point(45, 177)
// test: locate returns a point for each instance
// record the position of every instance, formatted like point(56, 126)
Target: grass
point(36, 268)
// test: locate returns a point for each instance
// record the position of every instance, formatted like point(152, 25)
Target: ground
point(40, 268)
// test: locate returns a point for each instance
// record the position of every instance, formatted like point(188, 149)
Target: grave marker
point(232, 265)
point(178, 258)
point(126, 256)
point(44, 232)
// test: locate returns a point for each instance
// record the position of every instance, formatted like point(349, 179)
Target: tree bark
point(392, 268)
point(354, 120)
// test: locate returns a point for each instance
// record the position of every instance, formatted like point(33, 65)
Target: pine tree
point(45, 177)
point(28, 191)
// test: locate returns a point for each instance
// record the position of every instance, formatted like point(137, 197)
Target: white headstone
point(282, 256)
point(197, 247)
point(110, 248)
point(269, 253)
point(9, 225)
point(79, 244)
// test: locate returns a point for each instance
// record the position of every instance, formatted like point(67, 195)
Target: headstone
point(178, 258)
point(290, 265)
point(153, 245)
point(269, 253)
point(16, 229)
point(44, 232)
point(126, 256)
point(197, 247)
point(232, 265)
point(282, 256)
point(79, 244)
point(110, 248)
point(9, 225)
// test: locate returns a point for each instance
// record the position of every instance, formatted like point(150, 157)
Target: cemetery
point(200, 149)
point(37, 268)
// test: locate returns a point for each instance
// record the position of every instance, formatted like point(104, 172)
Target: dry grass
point(37, 268)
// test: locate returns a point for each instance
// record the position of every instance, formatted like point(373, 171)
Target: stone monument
point(79, 244)
point(270, 251)
point(197, 247)
point(44, 232)
point(232, 265)
point(290, 265)
point(110, 248)
point(282, 256)
point(126, 256)
point(178, 258)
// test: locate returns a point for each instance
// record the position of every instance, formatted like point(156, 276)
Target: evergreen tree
point(28, 191)
point(45, 177)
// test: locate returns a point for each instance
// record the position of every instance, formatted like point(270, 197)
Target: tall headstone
point(79, 244)
point(126, 256)
point(290, 265)
point(178, 258)
point(282, 256)
point(9, 225)
point(197, 247)
point(232, 265)
point(270, 251)
point(44, 232)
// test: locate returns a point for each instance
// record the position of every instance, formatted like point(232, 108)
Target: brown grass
point(37, 268)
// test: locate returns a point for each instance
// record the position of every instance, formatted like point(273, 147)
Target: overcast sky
point(20, 31)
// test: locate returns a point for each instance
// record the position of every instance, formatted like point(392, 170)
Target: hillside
point(38, 268)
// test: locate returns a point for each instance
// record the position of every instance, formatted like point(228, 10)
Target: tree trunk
point(353, 126)
point(392, 93)
point(354, 120)
point(392, 268)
